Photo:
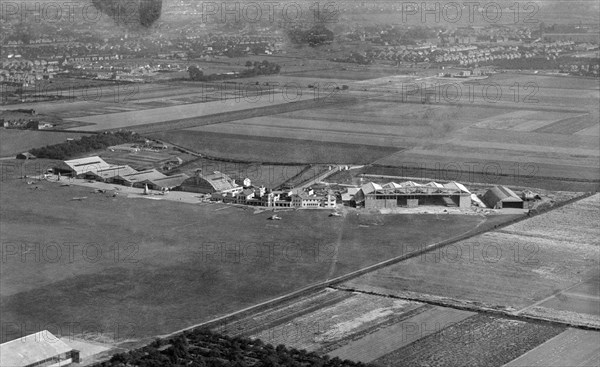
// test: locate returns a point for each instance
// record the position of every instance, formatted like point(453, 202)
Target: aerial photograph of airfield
point(358, 184)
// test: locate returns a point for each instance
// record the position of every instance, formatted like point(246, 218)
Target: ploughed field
point(389, 331)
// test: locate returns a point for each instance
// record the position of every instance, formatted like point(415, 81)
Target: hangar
point(81, 166)
point(412, 194)
point(210, 183)
point(109, 174)
point(499, 197)
point(38, 349)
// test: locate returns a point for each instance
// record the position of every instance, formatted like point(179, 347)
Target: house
point(38, 349)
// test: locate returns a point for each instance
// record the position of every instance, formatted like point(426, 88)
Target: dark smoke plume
point(131, 12)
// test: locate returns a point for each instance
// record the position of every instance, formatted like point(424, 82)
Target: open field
point(181, 112)
point(13, 141)
point(573, 347)
point(366, 122)
point(515, 269)
point(264, 149)
point(523, 120)
point(242, 260)
point(554, 138)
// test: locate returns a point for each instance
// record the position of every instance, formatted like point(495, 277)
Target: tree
point(195, 73)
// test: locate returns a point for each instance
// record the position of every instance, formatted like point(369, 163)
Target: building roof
point(434, 184)
point(170, 181)
point(370, 187)
point(219, 181)
point(500, 194)
point(353, 190)
point(456, 186)
point(31, 349)
point(113, 171)
point(83, 165)
point(391, 185)
point(410, 184)
point(148, 175)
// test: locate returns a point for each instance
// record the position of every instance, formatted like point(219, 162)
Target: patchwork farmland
point(521, 269)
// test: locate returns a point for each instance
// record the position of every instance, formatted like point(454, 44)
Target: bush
point(86, 144)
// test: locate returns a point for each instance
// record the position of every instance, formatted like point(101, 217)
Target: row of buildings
point(371, 195)
point(220, 186)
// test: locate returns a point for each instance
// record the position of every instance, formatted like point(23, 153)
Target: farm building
point(210, 183)
point(499, 197)
point(412, 194)
point(25, 155)
point(39, 349)
point(81, 166)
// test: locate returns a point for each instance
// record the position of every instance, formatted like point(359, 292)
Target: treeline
point(253, 69)
point(203, 348)
point(146, 12)
point(86, 144)
point(314, 36)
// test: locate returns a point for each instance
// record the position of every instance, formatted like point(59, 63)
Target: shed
point(25, 155)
